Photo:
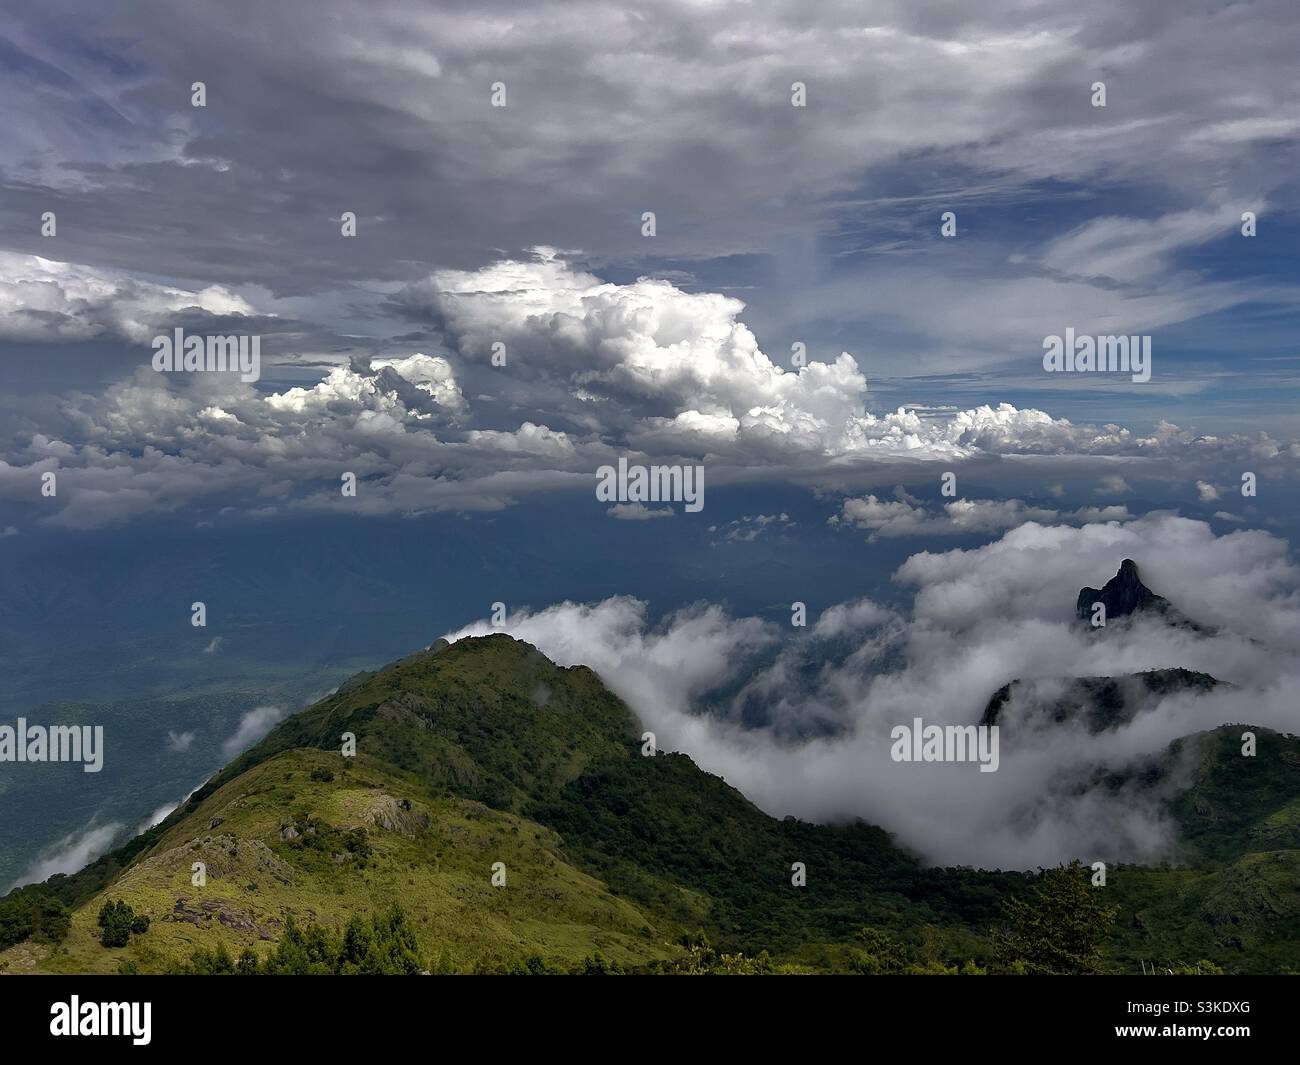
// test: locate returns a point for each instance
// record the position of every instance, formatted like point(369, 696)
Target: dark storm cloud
point(318, 108)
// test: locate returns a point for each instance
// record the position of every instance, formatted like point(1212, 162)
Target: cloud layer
point(1068, 214)
point(799, 720)
point(593, 370)
point(44, 300)
point(908, 516)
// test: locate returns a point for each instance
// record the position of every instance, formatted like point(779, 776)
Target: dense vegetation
point(385, 945)
point(31, 914)
point(652, 825)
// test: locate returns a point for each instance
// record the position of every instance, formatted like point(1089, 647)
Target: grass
point(441, 876)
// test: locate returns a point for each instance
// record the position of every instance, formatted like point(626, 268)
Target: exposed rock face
point(221, 910)
point(1122, 595)
point(224, 857)
point(1101, 703)
point(393, 815)
point(408, 708)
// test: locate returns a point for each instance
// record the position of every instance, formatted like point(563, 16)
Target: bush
point(701, 959)
point(382, 946)
point(118, 921)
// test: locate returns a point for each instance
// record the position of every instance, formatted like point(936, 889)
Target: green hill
point(1237, 898)
point(1230, 804)
point(484, 755)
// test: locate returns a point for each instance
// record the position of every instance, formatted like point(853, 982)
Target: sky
point(489, 248)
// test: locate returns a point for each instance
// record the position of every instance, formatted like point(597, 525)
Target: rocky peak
point(1122, 595)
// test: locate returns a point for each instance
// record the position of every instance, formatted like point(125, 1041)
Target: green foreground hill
point(484, 759)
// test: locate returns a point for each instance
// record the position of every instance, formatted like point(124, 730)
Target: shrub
point(382, 946)
point(117, 922)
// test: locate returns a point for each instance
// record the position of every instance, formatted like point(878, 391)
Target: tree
point(1057, 931)
point(881, 954)
point(117, 921)
point(26, 915)
point(701, 959)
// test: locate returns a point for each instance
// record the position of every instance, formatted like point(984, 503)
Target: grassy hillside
point(278, 844)
point(485, 752)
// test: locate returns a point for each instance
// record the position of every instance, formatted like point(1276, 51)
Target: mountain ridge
point(483, 752)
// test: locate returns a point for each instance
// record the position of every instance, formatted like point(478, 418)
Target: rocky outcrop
point(1099, 702)
point(1124, 594)
point(396, 815)
point(407, 708)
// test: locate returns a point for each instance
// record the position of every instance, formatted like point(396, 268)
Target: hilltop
point(485, 752)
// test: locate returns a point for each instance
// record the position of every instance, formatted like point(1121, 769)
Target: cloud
point(829, 211)
point(598, 371)
point(799, 720)
point(682, 360)
point(157, 817)
point(638, 512)
point(1206, 492)
point(43, 299)
point(72, 853)
point(901, 517)
point(751, 526)
point(677, 372)
point(253, 725)
point(418, 386)
point(179, 741)
point(607, 109)
point(1130, 249)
